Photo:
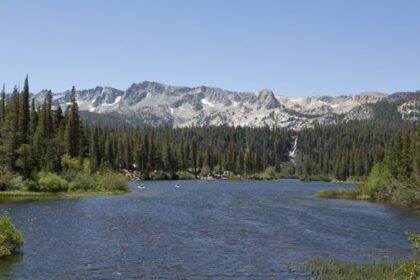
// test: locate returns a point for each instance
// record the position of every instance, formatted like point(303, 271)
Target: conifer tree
point(10, 131)
point(94, 153)
point(24, 112)
point(2, 105)
point(416, 158)
point(72, 132)
point(168, 157)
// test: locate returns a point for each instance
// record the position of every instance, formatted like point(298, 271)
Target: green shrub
point(377, 182)
point(355, 179)
point(10, 238)
point(81, 181)
point(268, 174)
point(111, 181)
point(5, 180)
point(51, 182)
point(31, 185)
point(185, 175)
point(71, 164)
point(320, 177)
point(411, 270)
point(161, 175)
point(17, 183)
point(335, 193)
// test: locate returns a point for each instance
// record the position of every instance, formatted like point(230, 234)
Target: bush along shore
point(44, 151)
point(11, 239)
point(385, 270)
point(380, 186)
point(396, 179)
point(75, 180)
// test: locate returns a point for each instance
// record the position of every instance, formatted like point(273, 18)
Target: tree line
point(344, 150)
point(35, 137)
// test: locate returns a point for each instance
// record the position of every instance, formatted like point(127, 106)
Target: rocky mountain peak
point(152, 103)
point(267, 99)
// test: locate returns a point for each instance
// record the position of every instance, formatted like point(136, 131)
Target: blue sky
point(294, 47)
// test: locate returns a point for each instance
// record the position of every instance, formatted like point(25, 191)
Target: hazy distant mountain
point(156, 104)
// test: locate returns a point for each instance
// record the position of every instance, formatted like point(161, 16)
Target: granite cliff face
point(156, 104)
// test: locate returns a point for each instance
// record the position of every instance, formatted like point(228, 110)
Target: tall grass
point(332, 269)
point(401, 269)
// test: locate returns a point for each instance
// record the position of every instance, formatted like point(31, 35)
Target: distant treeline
point(34, 139)
point(37, 138)
point(344, 150)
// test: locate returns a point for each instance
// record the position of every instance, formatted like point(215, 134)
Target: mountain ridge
point(157, 104)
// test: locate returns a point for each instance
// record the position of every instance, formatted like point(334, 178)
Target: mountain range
point(157, 104)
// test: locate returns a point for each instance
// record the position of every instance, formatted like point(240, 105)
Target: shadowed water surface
point(218, 229)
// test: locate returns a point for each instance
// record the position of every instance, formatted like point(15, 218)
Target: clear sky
point(293, 47)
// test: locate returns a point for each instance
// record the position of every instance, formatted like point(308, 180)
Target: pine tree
point(2, 105)
point(194, 157)
point(94, 153)
point(72, 132)
point(10, 131)
point(416, 158)
point(168, 157)
point(58, 117)
point(24, 112)
point(34, 119)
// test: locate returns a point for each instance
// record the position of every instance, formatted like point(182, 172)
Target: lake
point(203, 229)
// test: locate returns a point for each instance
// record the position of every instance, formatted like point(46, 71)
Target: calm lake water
point(217, 229)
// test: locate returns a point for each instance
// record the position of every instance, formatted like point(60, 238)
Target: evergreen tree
point(72, 132)
point(10, 132)
point(2, 105)
point(168, 158)
point(24, 112)
point(94, 154)
point(416, 158)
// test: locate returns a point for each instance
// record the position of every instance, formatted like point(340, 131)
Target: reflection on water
point(7, 263)
point(219, 229)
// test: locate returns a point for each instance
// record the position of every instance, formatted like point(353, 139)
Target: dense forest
point(46, 148)
point(343, 151)
point(395, 175)
point(39, 140)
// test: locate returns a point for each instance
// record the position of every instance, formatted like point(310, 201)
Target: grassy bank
point(324, 269)
point(322, 178)
point(402, 269)
point(382, 187)
point(71, 194)
point(336, 193)
point(75, 180)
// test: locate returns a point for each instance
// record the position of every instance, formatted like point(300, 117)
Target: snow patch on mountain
point(205, 102)
point(156, 104)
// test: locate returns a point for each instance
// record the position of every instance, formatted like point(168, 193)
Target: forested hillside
point(343, 150)
point(34, 139)
point(43, 149)
point(396, 177)
point(39, 141)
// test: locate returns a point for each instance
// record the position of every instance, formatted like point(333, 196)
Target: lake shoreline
point(353, 194)
point(6, 195)
point(197, 222)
